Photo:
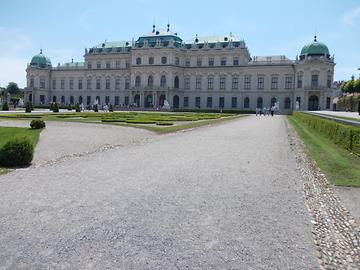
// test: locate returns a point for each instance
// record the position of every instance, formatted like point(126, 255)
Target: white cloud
point(351, 16)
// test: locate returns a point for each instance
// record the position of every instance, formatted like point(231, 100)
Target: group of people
point(265, 111)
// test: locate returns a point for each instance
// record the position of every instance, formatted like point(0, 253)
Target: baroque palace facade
point(206, 72)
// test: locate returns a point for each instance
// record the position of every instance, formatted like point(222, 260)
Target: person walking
point(272, 110)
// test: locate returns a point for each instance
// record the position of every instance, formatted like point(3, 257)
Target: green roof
point(113, 44)
point(315, 48)
point(73, 65)
point(211, 39)
point(40, 60)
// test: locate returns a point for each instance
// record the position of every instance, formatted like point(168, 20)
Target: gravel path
point(222, 197)
point(64, 140)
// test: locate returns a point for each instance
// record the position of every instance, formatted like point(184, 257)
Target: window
point(138, 61)
point(137, 81)
point(107, 100)
point(98, 99)
point(299, 81)
point(71, 84)
point(62, 100)
point(176, 82)
point(80, 84)
point(107, 83)
point(233, 102)
point(288, 82)
point(54, 99)
point(187, 83)
point(177, 61)
point(222, 82)
point(259, 103)
point(108, 64)
point(163, 60)
point(117, 64)
point(298, 102)
point(42, 82)
point(186, 102)
point(221, 102)
point(98, 83)
point(117, 100)
point(80, 99)
point(127, 83)
point(89, 66)
point(127, 64)
point(314, 80)
point(273, 101)
point(54, 84)
point(117, 83)
point(88, 84)
point(42, 99)
point(246, 103)
point(31, 82)
point(209, 102)
point(247, 82)
point(197, 102)
point(187, 62)
point(211, 61)
point(235, 82)
point(150, 81)
point(328, 83)
point(126, 100)
point(62, 84)
point(236, 61)
point(287, 103)
point(198, 82)
point(328, 99)
point(88, 100)
point(210, 82)
point(260, 82)
point(71, 99)
point(151, 60)
point(274, 82)
point(199, 62)
point(98, 64)
point(223, 61)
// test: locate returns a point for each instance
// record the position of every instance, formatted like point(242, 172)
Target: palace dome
point(315, 48)
point(40, 61)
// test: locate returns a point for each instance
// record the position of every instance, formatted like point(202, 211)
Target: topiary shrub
point(17, 152)
point(77, 107)
point(69, 107)
point(31, 105)
point(37, 124)
point(28, 107)
point(56, 108)
point(111, 109)
point(5, 106)
point(96, 108)
point(51, 107)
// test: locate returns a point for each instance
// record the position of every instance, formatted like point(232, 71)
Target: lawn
point(8, 133)
point(340, 166)
point(160, 122)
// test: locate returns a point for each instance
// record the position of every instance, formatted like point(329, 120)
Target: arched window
point(163, 60)
point(71, 99)
point(151, 60)
point(138, 61)
point(176, 82)
point(246, 103)
point(62, 100)
point(163, 81)
point(54, 98)
point(287, 103)
point(137, 81)
point(259, 103)
point(273, 101)
point(150, 81)
point(80, 99)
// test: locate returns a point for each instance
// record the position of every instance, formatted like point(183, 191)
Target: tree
point(28, 107)
point(77, 107)
point(13, 88)
point(5, 106)
point(56, 108)
point(357, 85)
point(111, 109)
point(350, 86)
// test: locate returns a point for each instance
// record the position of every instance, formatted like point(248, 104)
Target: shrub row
point(345, 136)
point(349, 103)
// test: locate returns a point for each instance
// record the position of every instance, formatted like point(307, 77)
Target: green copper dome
point(315, 48)
point(40, 61)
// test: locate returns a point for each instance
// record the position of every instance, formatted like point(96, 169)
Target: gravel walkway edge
point(335, 232)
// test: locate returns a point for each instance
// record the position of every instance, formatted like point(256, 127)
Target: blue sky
point(64, 28)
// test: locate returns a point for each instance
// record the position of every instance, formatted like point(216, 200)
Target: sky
point(63, 29)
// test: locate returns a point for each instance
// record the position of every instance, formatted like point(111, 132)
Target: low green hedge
point(164, 123)
point(17, 152)
point(37, 124)
point(113, 120)
point(345, 136)
point(140, 121)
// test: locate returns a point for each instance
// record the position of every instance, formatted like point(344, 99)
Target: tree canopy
point(13, 88)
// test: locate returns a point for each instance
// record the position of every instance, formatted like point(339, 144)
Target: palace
point(207, 73)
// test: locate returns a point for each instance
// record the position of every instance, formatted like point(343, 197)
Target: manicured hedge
point(37, 124)
point(345, 136)
point(17, 152)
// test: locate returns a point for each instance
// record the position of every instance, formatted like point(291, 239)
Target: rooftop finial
point(168, 27)
point(72, 60)
point(315, 40)
point(41, 51)
point(153, 28)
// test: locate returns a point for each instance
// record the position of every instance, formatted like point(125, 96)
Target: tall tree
point(357, 85)
point(13, 88)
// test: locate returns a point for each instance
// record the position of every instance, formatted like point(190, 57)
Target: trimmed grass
point(340, 166)
point(161, 122)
